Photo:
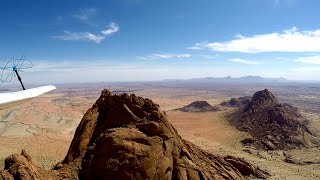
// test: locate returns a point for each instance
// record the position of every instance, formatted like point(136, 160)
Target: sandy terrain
point(212, 132)
point(45, 126)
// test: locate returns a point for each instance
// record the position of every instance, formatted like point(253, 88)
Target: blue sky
point(136, 40)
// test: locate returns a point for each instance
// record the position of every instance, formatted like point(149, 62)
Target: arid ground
point(44, 126)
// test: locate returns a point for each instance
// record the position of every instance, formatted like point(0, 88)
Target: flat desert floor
point(44, 126)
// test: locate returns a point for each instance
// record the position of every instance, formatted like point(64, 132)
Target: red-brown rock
point(129, 137)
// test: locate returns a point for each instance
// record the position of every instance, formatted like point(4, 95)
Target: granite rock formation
point(129, 137)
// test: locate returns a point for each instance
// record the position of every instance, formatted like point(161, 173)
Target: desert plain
point(45, 126)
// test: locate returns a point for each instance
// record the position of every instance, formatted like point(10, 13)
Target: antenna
point(13, 67)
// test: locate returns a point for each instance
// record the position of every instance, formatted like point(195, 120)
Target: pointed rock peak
point(273, 125)
point(264, 95)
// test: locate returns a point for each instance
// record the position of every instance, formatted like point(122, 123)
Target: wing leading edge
point(15, 98)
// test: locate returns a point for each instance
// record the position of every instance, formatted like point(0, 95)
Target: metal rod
point(19, 78)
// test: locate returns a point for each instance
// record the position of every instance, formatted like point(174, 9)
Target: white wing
point(14, 98)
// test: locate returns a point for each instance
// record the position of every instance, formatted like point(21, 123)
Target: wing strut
point(19, 78)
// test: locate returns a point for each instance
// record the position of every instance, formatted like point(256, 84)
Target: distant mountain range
point(249, 79)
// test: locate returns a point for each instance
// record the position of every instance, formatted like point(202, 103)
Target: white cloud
point(244, 61)
point(183, 55)
point(164, 56)
point(291, 40)
point(85, 14)
point(112, 28)
point(80, 36)
point(309, 59)
point(87, 36)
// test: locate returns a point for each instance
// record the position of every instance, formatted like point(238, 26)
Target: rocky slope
point(129, 137)
point(273, 125)
point(198, 106)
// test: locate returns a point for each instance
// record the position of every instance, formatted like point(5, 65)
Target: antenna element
point(13, 67)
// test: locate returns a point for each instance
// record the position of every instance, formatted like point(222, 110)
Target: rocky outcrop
point(129, 137)
point(198, 106)
point(273, 125)
point(237, 102)
point(20, 166)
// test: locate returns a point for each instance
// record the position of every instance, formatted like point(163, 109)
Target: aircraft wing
point(14, 98)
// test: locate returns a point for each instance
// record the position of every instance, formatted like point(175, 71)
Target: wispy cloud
point(244, 61)
point(85, 14)
point(80, 36)
point(291, 40)
point(111, 29)
point(169, 56)
point(157, 56)
point(87, 36)
point(53, 66)
point(309, 59)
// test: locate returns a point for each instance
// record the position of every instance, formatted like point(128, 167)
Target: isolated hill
point(129, 137)
point(273, 125)
point(198, 106)
point(237, 102)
